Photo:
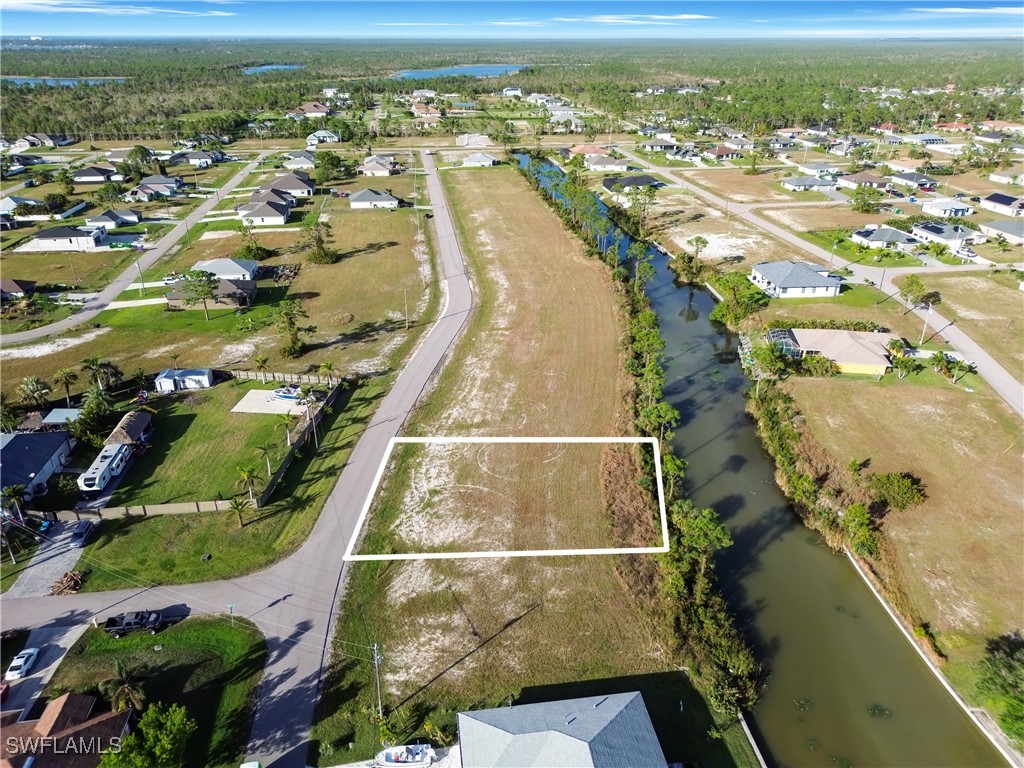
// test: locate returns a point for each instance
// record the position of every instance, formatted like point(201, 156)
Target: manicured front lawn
point(198, 445)
point(849, 251)
point(208, 665)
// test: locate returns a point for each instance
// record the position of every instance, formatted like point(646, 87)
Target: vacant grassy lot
point(960, 551)
point(465, 634)
point(207, 665)
point(828, 216)
point(197, 446)
point(732, 242)
point(763, 188)
point(979, 184)
point(989, 308)
point(85, 271)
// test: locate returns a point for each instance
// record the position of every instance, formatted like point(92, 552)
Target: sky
point(523, 19)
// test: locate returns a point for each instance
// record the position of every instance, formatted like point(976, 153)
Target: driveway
point(53, 643)
point(51, 561)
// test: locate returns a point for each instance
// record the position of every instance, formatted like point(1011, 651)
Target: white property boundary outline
point(653, 442)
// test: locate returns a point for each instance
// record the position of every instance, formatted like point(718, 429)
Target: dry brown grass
point(732, 242)
point(811, 219)
point(735, 185)
point(978, 183)
point(988, 307)
point(960, 552)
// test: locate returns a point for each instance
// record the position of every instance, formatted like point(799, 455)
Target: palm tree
point(65, 377)
point(103, 371)
point(939, 362)
point(34, 391)
point(896, 348)
point(327, 370)
point(247, 478)
point(13, 494)
point(238, 505)
point(174, 359)
point(97, 398)
point(260, 362)
point(125, 689)
point(285, 419)
point(263, 450)
point(959, 369)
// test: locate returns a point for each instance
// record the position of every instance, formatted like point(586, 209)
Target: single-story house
point(375, 166)
point(1002, 125)
point(953, 235)
point(272, 196)
point(310, 109)
point(59, 417)
point(823, 129)
point(173, 379)
point(793, 280)
point(862, 179)
point(886, 128)
point(720, 153)
point(946, 207)
point(915, 180)
point(113, 219)
point(739, 142)
point(33, 140)
point(627, 182)
point(296, 184)
point(31, 458)
point(1007, 177)
point(957, 127)
point(781, 142)
point(95, 174)
point(594, 732)
point(885, 237)
point(134, 427)
point(15, 289)
point(659, 145)
point(602, 163)
point(322, 137)
point(480, 160)
point(69, 732)
point(229, 269)
point(811, 141)
point(68, 239)
point(203, 158)
point(808, 183)
point(1012, 230)
point(371, 198)
point(227, 293)
point(818, 169)
point(991, 137)
point(264, 214)
point(509, 93)
point(860, 352)
point(424, 93)
point(1008, 205)
point(301, 160)
point(923, 139)
point(9, 203)
point(160, 180)
point(144, 193)
point(587, 149)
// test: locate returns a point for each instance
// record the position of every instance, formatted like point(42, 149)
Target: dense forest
point(767, 84)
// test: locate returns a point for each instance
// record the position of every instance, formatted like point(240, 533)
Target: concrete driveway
point(53, 643)
point(51, 561)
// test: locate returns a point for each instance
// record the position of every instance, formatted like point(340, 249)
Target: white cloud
point(515, 23)
point(101, 8)
point(647, 19)
point(996, 11)
point(416, 24)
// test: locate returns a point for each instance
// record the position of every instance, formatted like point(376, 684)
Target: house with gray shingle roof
point(371, 198)
point(595, 732)
point(794, 280)
point(885, 237)
point(1012, 230)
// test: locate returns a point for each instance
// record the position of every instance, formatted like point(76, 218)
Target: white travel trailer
point(108, 465)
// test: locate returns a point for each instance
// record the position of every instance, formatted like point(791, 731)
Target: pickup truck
point(139, 621)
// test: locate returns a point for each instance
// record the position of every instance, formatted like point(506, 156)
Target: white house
point(923, 139)
point(322, 137)
point(378, 166)
point(173, 379)
point(371, 198)
point(1007, 177)
point(509, 93)
point(202, 158)
point(310, 109)
point(1012, 230)
point(602, 163)
point(1008, 205)
point(818, 169)
point(115, 218)
point(263, 214)
point(229, 269)
point(67, 239)
point(9, 203)
point(480, 160)
point(424, 93)
point(914, 180)
point(808, 183)
point(877, 237)
point(96, 174)
point(946, 207)
point(739, 143)
point(864, 179)
point(953, 235)
point(793, 280)
point(299, 161)
point(659, 145)
point(296, 184)
point(720, 153)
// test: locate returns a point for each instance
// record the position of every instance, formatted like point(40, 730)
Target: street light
point(925, 328)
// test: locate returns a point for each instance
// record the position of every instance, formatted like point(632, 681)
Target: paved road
point(130, 274)
point(53, 644)
point(294, 601)
point(1001, 380)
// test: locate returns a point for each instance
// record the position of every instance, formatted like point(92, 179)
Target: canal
point(845, 687)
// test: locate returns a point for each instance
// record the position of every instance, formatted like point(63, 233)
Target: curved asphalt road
point(149, 257)
point(294, 601)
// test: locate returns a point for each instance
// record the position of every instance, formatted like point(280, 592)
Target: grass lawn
point(989, 309)
point(853, 253)
point(86, 271)
point(737, 186)
point(831, 217)
point(467, 634)
point(197, 446)
point(24, 317)
point(12, 641)
point(24, 546)
point(660, 159)
point(209, 666)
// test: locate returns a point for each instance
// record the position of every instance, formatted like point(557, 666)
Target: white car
point(21, 664)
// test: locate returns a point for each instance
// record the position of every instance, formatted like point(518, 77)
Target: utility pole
point(925, 329)
point(377, 659)
point(142, 283)
point(407, 309)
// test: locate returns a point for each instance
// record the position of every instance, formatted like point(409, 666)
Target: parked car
point(964, 252)
point(137, 621)
point(895, 193)
point(959, 196)
point(975, 199)
point(81, 533)
point(22, 664)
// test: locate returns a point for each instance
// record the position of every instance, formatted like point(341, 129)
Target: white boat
point(412, 755)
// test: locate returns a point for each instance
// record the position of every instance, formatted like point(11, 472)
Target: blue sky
point(530, 19)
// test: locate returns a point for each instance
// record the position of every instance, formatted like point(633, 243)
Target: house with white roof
point(914, 180)
point(302, 160)
point(946, 207)
point(229, 269)
point(808, 184)
point(1007, 177)
point(480, 160)
point(794, 280)
point(604, 164)
point(322, 136)
point(818, 169)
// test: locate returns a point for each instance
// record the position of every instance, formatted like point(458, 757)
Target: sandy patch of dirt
point(50, 347)
point(218, 234)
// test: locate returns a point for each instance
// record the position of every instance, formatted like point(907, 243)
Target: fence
point(288, 378)
point(144, 510)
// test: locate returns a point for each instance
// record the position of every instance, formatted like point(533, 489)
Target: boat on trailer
point(409, 756)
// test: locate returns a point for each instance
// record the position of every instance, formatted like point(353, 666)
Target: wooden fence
point(144, 510)
point(287, 378)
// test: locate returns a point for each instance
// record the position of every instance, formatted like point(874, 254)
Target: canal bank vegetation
point(721, 663)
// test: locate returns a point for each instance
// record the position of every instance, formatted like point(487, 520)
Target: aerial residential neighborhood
point(532, 385)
